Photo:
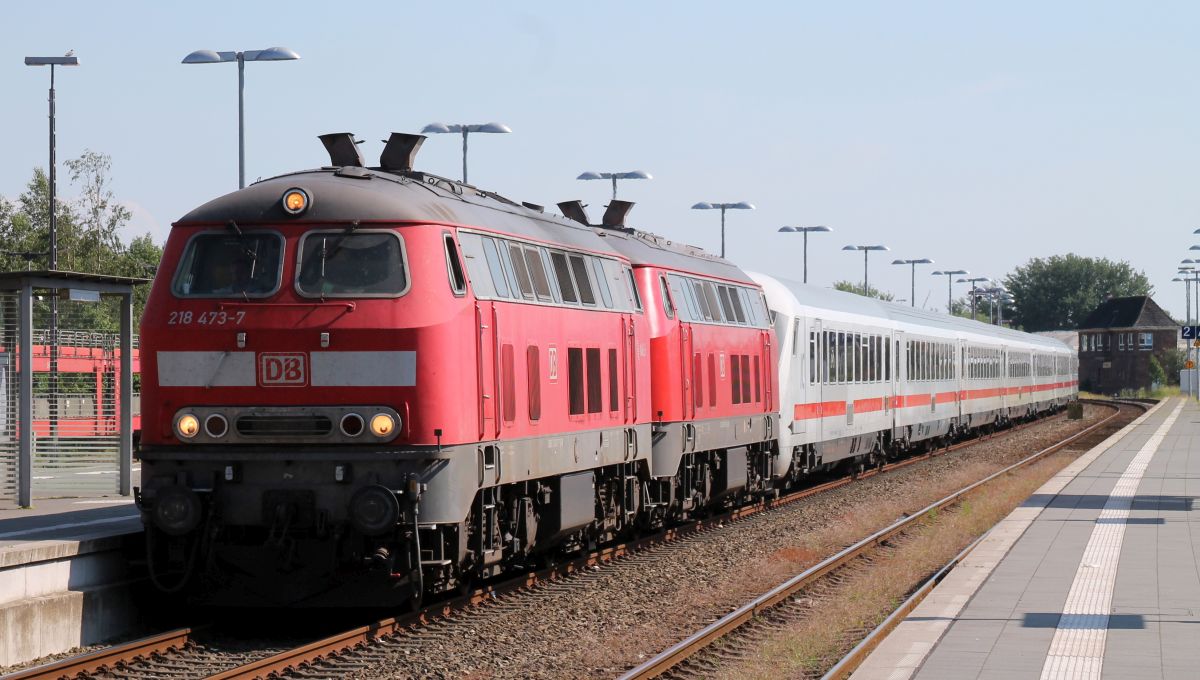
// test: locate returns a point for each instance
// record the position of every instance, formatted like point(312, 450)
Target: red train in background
point(366, 385)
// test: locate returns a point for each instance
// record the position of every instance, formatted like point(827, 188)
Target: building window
point(1145, 340)
point(1121, 341)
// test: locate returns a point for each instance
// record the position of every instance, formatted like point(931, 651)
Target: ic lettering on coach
point(282, 369)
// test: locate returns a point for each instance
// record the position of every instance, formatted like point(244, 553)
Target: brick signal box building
point(1117, 340)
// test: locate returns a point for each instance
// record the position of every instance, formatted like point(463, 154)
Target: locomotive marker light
point(741, 205)
point(187, 426)
point(804, 230)
point(295, 201)
point(912, 298)
point(441, 128)
point(211, 57)
point(866, 250)
point(950, 274)
point(614, 176)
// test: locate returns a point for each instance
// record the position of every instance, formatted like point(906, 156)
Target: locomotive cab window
point(458, 280)
point(351, 264)
point(230, 264)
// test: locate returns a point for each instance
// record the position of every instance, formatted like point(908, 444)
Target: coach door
point(486, 367)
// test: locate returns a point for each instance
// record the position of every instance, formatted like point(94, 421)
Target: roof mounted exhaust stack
point(616, 213)
point(574, 210)
point(343, 151)
point(400, 151)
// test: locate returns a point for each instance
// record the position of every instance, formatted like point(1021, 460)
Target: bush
point(1158, 377)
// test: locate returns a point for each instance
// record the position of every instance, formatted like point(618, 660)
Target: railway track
point(694, 656)
point(186, 653)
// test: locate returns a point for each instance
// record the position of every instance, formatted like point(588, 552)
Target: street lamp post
point(1187, 297)
point(741, 205)
point(69, 60)
point(465, 129)
point(950, 274)
point(211, 57)
point(866, 250)
point(973, 281)
point(913, 284)
point(614, 176)
point(805, 231)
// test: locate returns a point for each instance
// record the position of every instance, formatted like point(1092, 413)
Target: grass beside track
point(867, 596)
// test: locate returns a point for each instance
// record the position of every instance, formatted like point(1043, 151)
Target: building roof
point(1139, 311)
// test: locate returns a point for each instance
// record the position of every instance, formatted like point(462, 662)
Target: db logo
point(281, 369)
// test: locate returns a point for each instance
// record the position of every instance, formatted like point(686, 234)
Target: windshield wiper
point(337, 244)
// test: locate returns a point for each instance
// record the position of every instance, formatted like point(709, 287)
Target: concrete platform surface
point(1096, 575)
point(61, 519)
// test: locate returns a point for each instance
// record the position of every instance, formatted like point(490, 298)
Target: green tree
point(1172, 364)
point(857, 289)
point(88, 240)
point(1058, 292)
point(1157, 375)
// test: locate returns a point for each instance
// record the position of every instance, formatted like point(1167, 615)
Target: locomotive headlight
point(295, 201)
point(382, 425)
point(187, 426)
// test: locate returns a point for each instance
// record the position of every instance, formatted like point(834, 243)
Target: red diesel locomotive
point(362, 385)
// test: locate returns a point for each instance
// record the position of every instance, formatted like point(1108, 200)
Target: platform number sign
point(1190, 332)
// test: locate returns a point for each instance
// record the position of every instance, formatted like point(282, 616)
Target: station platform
point(1096, 575)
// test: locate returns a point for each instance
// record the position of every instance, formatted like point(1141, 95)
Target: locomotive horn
point(616, 213)
point(400, 151)
point(574, 210)
point(342, 149)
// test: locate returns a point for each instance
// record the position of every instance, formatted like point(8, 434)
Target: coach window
point(842, 372)
point(575, 380)
point(520, 271)
point(668, 308)
point(458, 281)
point(534, 376)
point(812, 356)
point(887, 357)
point(563, 276)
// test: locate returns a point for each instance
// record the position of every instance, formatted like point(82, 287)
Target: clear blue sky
point(976, 134)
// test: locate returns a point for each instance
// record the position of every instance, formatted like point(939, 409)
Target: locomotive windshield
point(230, 264)
point(351, 264)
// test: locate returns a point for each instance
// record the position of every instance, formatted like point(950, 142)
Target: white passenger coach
point(867, 379)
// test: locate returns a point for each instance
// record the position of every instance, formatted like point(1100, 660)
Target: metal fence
point(76, 366)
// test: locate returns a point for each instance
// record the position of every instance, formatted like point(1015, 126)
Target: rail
point(703, 638)
point(108, 657)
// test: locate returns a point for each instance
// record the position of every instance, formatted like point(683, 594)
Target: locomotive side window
point(575, 380)
point(726, 305)
point(521, 271)
point(458, 280)
point(228, 264)
point(601, 282)
point(710, 294)
point(533, 365)
point(594, 386)
point(351, 264)
point(633, 291)
point(697, 380)
point(712, 379)
point(496, 269)
point(614, 403)
point(746, 378)
point(698, 291)
point(563, 276)
point(581, 280)
point(668, 308)
point(508, 384)
point(735, 375)
point(757, 377)
point(537, 272)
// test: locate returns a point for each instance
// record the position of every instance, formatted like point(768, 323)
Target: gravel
point(607, 619)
